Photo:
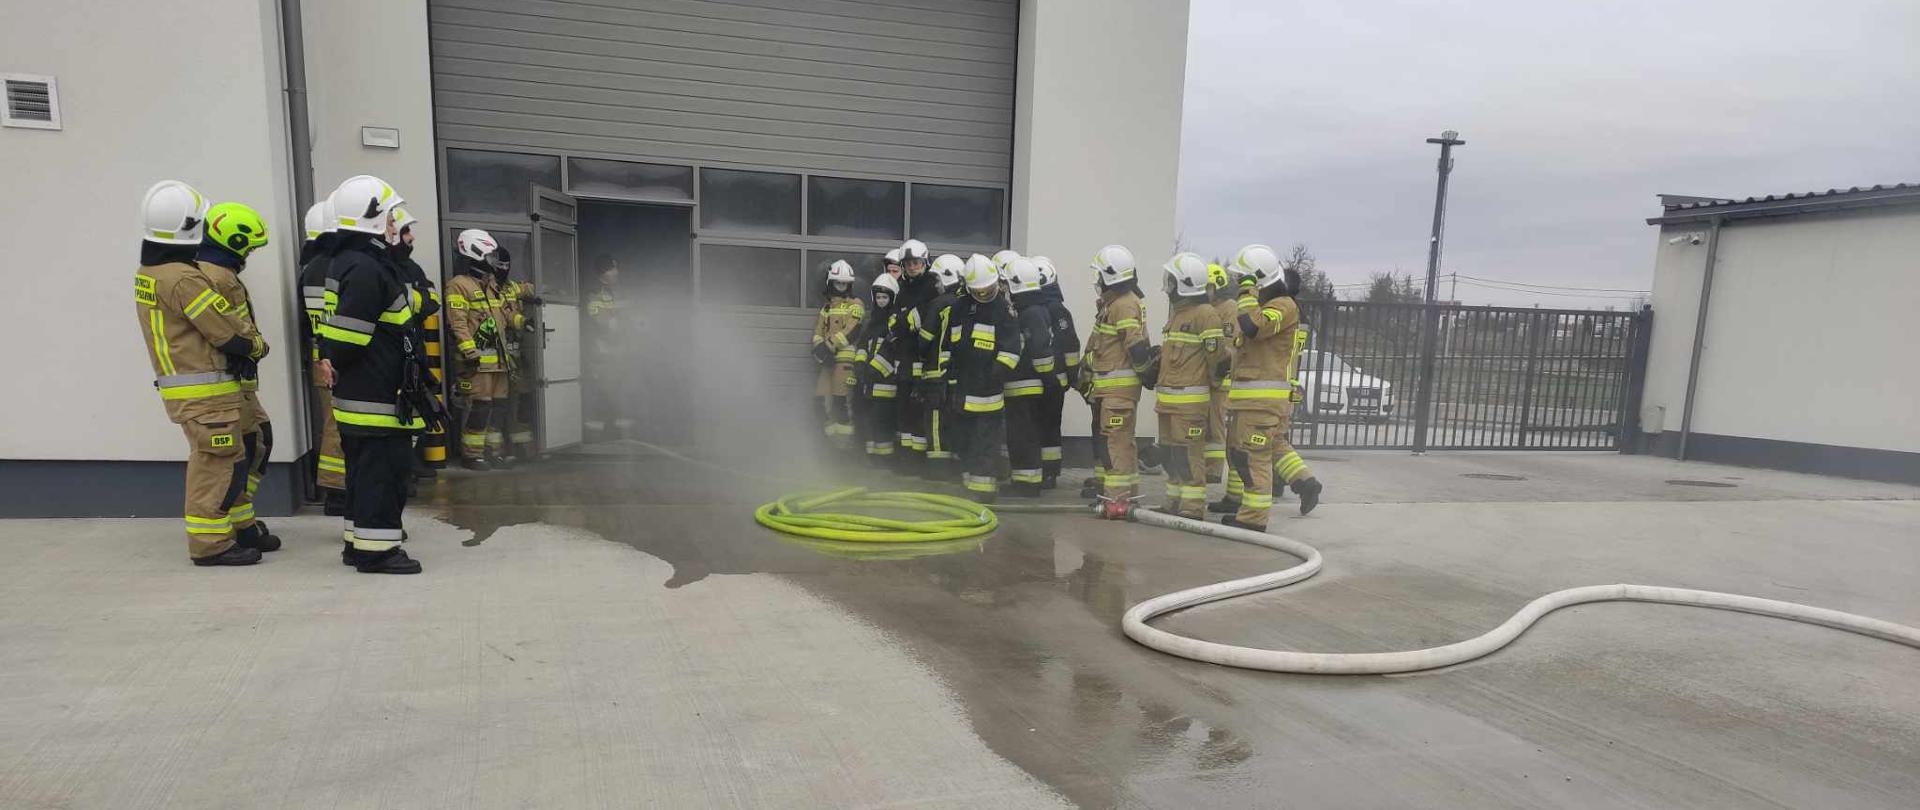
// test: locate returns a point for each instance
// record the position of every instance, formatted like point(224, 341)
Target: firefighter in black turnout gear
point(981, 360)
point(1066, 352)
point(875, 390)
point(367, 349)
point(934, 331)
point(916, 287)
point(1033, 379)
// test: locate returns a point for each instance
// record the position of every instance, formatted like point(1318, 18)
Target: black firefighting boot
point(335, 503)
point(1050, 482)
point(391, 561)
point(257, 537)
point(234, 555)
point(1224, 506)
point(475, 464)
point(1022, 489)
point(1231, 521)
point(1309, 491)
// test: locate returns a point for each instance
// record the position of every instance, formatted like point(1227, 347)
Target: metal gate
point(1501, 377)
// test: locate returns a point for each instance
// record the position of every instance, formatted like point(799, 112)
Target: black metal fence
point(1500, 377)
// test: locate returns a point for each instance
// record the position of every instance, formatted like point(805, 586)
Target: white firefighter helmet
point(1186, 274)
point(981, 274)
point(1000, 259)
point(319, 219)
point(402, 219)
point(362, 204)
point(893, 256)
point(913, 249)
point(476, 244)
point(173, 213)
point(1048, 275)
point(886, 283)
point(948, 268)
point(840, 272)
point(1259, 263)
point(1114, 264)
point(1023, 276)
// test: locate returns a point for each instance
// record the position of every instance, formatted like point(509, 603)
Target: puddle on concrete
point(1023, 625)
point(1493, 476)
point(1688, 482)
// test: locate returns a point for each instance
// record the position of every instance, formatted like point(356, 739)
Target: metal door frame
point(542, 224)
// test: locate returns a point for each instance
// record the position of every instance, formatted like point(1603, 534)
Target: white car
point(1332, 387)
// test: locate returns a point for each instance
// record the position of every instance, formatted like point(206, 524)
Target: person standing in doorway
point(474, 318)
point(607, 335)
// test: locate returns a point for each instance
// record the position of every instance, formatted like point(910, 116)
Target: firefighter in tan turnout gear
point(1190, 358)
point(1261, 400)
point(477, 324)
point(1116, 354)
point(191, 333)
point(234, 231)
point(834, 351)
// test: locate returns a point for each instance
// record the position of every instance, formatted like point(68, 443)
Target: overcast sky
point(1305, 122)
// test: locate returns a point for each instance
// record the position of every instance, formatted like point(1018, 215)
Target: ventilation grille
point(32, 102)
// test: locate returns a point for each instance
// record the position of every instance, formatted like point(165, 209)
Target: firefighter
point(935, 332)
point(1033, 379)
point(1066, 348)
point(1220, 291)
point(516, 298)
point(1116, 354)
point(430, 446)
point(1261, 399)
point(877, 372)
point(841, 312)
point(234, 231)
point(368, 355)
point(191, 333)
point(330, 464)
point(986, 352)
point(917, 287)
point(607, 342)
point(1243, 295)
point(478, 326)
point(1183, 397)
point(891, 264)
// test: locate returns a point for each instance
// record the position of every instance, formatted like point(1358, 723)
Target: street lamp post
point(1423, 407)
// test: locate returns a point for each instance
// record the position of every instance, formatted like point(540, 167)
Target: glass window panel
point(957, 214)
point(622, 179)
point(757, 202)
point(867, 209)
point(866, 267)
point(495, 182)
point(760, 276)
point(558, 277)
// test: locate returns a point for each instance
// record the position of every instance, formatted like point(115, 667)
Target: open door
point(556, 278)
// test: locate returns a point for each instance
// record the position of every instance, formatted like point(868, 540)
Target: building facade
point(722, 153)
point(1781, 333)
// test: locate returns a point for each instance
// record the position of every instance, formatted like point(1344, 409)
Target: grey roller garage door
point(907, 89)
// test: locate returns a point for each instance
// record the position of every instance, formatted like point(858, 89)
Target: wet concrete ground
point(542, 662)
point(1602, 706)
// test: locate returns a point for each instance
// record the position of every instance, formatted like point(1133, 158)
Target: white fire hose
point(1134, 622)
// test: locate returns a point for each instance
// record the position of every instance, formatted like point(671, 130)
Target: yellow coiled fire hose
point(804, 515)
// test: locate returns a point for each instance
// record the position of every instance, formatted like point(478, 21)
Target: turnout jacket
point(1189, 353)
point(226, 282)
point(833, 328)
point(190, 330)
point(316, 256)
point(876, 361)
point(985, 353)
point(1262, 363)
point(906, 348)
point(1066, 339)
point(1039, 361)
point(477, 317)
point(1118, 346)
point(369, 337)
point(933, 333)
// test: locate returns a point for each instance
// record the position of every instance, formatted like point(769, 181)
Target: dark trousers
point(981, 436)
point(1051, 404)
point(378, 468)
point(1026, 429)
point(883, 428)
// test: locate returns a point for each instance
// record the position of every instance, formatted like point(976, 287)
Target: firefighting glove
point(1147, 365)
point(822, 353)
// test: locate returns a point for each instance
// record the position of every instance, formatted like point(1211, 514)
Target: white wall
point(1096, 156)
point(183, 89)
point(1810, 332)
point(367, 65)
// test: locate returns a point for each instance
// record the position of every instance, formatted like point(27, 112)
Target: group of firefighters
point(954, 363)
point(373, 325)
point(952, 366)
